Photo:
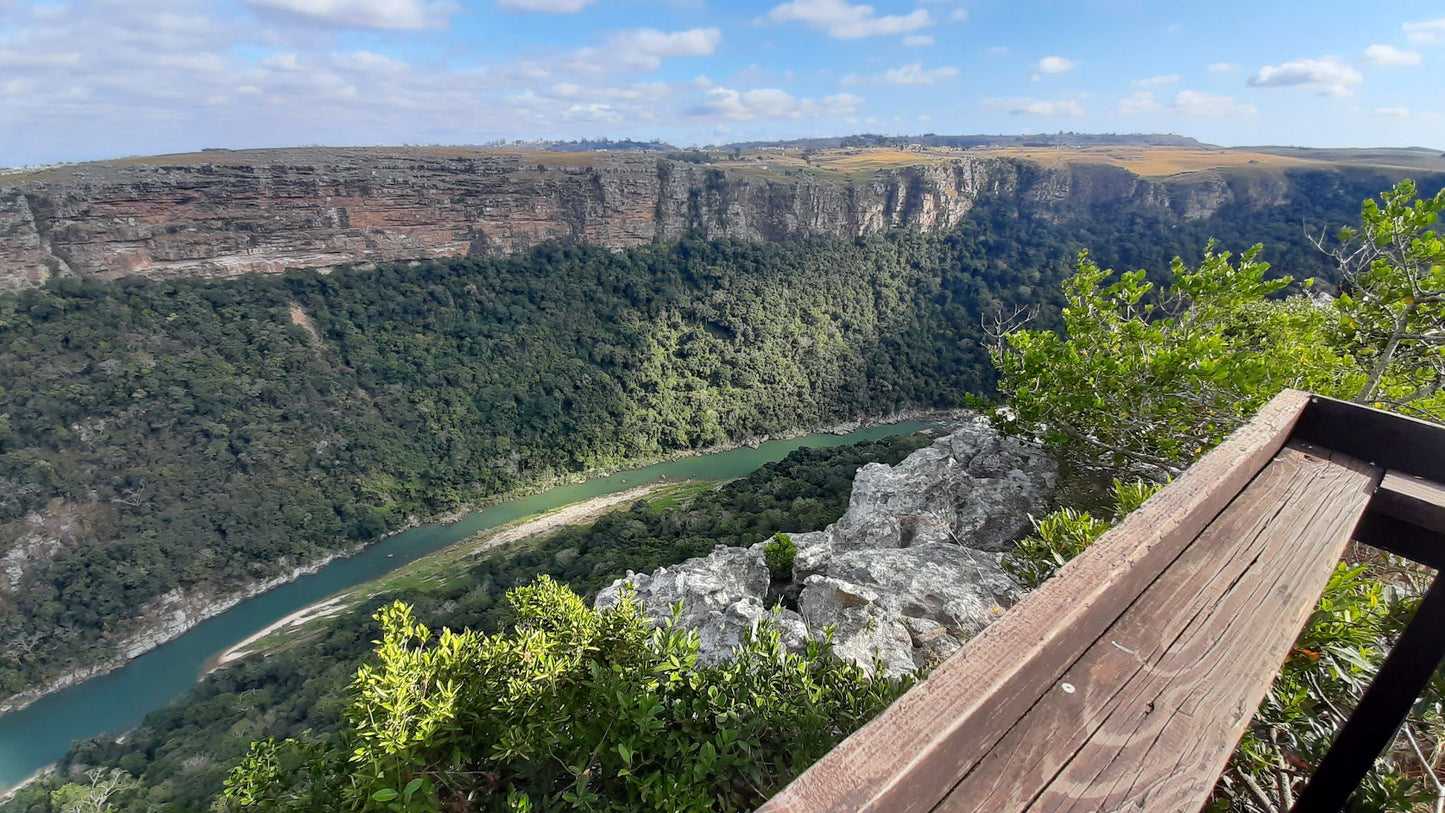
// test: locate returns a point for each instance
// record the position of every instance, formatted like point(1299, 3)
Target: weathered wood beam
point(1160, 700)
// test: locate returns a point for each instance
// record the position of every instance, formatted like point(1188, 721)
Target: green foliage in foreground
point(1392, 303)
point(1147, 378)
point(572, 709)
point(181, 754)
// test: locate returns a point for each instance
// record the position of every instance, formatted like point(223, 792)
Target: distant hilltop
point(841, 142)
point(979, 140)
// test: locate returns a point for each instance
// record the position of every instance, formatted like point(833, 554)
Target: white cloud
point(1186, 103)
point(593, 112)
point(662, 44)
point(545, 6)
point(1053, 64)
point(1428, 32)
point(1166, 79)
point(1389, 55)
point(289, 63)
point(913, 74)
point(958, 15)
point(642, 49)
point(1223, 67)
point(1037, 107)
point(1140, 102)
point(1392, 112)
point(1195, 103)
point(845, 21)
point(394, 15)
point(917, 41)
point(772, 103)
point(1332, 77)
point(996, 50)
point(366, 62)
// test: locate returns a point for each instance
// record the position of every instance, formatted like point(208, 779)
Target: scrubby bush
point(572, 709)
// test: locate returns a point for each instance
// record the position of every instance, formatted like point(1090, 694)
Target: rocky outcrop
point(224, 213)
point(908, 574)
point(907, 607)
point(721, 596)
point(973, 488)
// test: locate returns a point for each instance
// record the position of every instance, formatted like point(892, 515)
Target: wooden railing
point(1125, 682)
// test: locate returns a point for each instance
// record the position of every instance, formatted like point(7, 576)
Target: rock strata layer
point(909, 573)
point(225, 213)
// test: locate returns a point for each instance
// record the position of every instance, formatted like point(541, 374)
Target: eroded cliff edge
point(225, 213)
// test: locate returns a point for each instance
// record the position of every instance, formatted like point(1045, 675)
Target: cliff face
point(228, 213)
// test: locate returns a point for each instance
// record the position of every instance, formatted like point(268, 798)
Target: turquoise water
point(40, 734)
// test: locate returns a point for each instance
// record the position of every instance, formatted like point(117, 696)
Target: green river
point(40, 734)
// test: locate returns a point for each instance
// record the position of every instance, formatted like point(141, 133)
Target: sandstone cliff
point(223, 213)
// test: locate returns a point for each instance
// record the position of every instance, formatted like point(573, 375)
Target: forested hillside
point(165, 444)
point(190, 435)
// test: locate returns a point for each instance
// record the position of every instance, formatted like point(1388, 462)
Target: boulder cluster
point(910, 572)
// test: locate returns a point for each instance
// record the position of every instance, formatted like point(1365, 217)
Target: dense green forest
point(195, 436)
point(189, 435)
point(180, 755)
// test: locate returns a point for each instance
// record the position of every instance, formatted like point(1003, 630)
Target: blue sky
point(82, 79)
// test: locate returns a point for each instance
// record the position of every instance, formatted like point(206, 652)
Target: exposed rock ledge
point(909, 573)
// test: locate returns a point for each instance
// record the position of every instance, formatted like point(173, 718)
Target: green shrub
point(1064, 534)
point(573, 709)
point(780, 552)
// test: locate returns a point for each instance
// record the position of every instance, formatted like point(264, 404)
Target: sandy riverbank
point(575, 514)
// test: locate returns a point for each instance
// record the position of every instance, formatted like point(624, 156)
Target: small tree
point(95, 794)
point(1392, 300)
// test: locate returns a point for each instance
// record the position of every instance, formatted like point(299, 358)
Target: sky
point(88, 79)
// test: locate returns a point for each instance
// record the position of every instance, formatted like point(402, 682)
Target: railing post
point(1385, 705)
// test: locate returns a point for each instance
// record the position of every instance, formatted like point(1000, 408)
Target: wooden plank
point(1412, 499)
point(1016, 770)
point(1387, 439)
point(1177, 721)
point(911, 755)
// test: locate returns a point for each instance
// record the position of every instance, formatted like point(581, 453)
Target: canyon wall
point(224, 213)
